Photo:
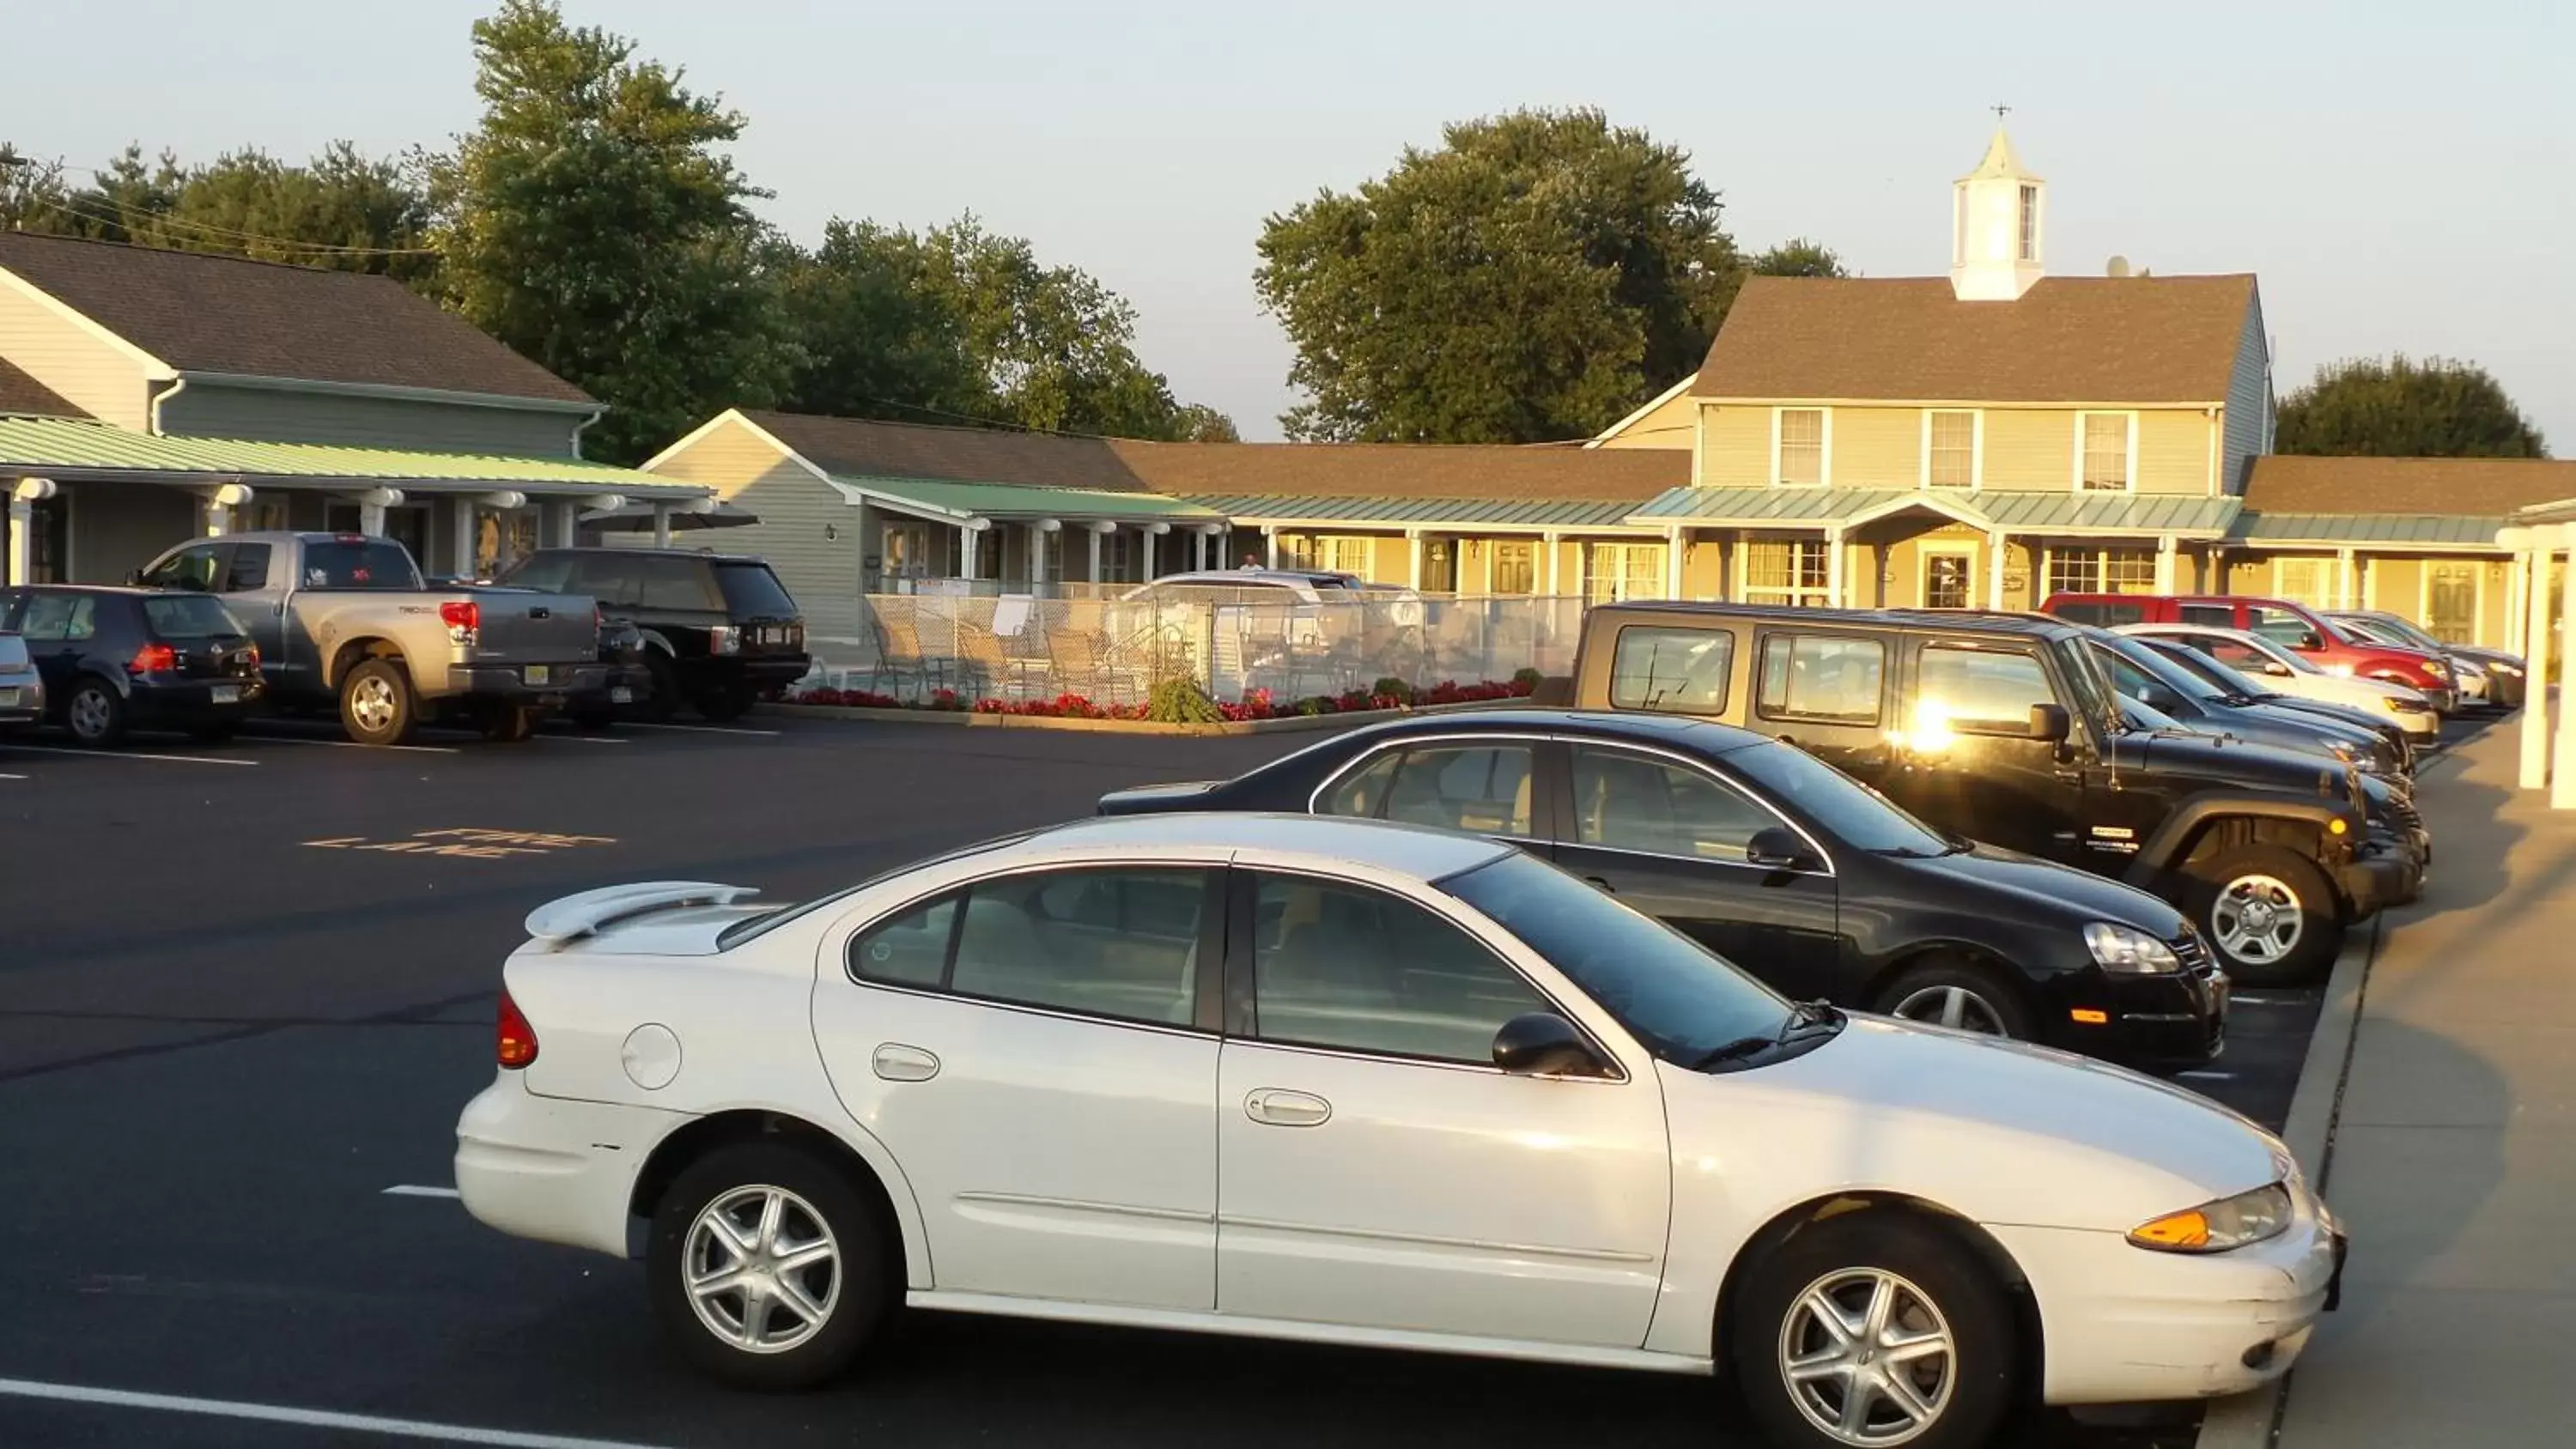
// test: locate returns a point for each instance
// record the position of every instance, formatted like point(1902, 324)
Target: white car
point(2289, 672)
point(1351, 1082)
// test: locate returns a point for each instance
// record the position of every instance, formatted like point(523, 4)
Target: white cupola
point(1998, 227)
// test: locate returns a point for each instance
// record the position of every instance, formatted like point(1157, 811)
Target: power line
point(142, 219)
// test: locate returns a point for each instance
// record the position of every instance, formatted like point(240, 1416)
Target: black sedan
point(115, 659)
point(2243, 689)
point(2147, 674)
point(1801, 875)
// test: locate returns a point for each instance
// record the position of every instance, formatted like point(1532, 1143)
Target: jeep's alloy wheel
point(2257, 918)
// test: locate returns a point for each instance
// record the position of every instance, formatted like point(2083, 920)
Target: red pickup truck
point(2293, 626)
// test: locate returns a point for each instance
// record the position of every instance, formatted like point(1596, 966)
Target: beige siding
point(1876, 448)
point(117, 528)
point(2248, 416)
point(1738, 449)
point(2173, 451)
point(72, 360)
point(2030, 448)
point(1668, 425)
point(211, 410)
point(1704, 568)
point(795, 509)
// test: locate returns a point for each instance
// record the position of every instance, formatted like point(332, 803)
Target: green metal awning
point(942, 498)
point(1446, 513)
point(2366, 530)
point(76, 446)
point(2079, 514)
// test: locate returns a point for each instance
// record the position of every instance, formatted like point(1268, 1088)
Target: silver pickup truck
point(343, 619)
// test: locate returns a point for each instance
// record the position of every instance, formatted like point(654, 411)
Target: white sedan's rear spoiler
point(558, 923)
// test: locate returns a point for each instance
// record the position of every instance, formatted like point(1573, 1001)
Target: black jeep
point(719, 630)
point(2004, 729)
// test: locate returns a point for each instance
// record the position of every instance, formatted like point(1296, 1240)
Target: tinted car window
point(1343, 966)
point(909, 950)
point(338, 564)
point(193, 568)
point(2282, 627)
point(672, 583)
point(1480, 788)
point(1628, 801)
point(1821, 677)
point(1113, 943)
point(249, 568)
point(2221, 616)
point(54, 618)
point(2102, 615)
point(1363, 793)
point(1982, 688)
point(545, 572)
point(750, 589)
point(1848, 810)
point(1683, 671)
point(186, 616)
point(1679, 1001)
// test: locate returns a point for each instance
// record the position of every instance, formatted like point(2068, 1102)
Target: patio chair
point(899, 660)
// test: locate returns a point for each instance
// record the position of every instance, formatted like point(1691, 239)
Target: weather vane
point(1999, 113)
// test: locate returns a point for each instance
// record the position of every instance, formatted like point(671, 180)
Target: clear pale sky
point(2402, 177)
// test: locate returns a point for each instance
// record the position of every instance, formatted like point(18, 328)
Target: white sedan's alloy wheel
point(1868, 1357)
point(762, 1269)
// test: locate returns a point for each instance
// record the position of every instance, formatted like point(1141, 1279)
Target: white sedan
point(1343, 1081)
point(2291, 673)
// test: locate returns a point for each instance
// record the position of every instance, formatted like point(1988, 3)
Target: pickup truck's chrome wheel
point(2258, 918)
point(1869, 1358)
point(372, 701)
point(763, 1269)
point(1952, 1006)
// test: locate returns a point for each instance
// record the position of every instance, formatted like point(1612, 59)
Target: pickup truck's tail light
point(514, 1042)
point(463, 618)
point(153, 659)
point(724, 639)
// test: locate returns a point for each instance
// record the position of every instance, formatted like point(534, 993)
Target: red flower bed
point(1255, 705)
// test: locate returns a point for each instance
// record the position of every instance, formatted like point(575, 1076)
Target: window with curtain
point(2106, 451)
point(1786, 571)
point(1802, 446)
point(1617, 571)
point(2102, 571)
point(1345, 553)
point(2309, 581)
point(1951, 449)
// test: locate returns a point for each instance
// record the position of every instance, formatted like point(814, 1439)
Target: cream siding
point(1876, 448)
point(1704, 568)
point(2248, 418)
point(2030, 448)
point(212, 410)
point(1667, 425)
point(795, 509)
point(1737, 453)
point(89, 373)
point(2172, 451)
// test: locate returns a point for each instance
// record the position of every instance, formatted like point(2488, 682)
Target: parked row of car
point(1698, 1017)
point(214, 632)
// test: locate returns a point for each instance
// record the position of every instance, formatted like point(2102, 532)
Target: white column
point(563, 525)
point(1553, 563)
point(1270, 546)
point(661, 525)
point(2533, 546)
point(2343, 578)
point(1097, 531)
point(1413, 558)
point(2164, 563)
point(1735, 567)
point(2513, 582)
point(1676, 540)
point(460, 549)
point(1995, 570)
point(24, 495)
point(2562, 780)
point(1834, 567)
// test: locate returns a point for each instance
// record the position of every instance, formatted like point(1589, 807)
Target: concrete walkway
point(2454, 1156)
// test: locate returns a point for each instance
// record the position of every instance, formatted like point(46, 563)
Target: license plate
point(621, 695)
point(540, 674)
point(9, 695)
point(225, 694)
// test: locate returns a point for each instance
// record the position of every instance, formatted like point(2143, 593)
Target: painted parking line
point(2241, 999)
point(2208, 1076)
point(353, 745)
point(413, 1189)
point(303, 1418)
point(126, 755)
point(12, 777)
point(584, 739)
point(637, 724)
point(468, 841)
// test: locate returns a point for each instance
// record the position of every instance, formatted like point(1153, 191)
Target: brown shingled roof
point(2473, 487)
point(862, 448)
point(2068, 339)
point(22, 395)
point(203, 313)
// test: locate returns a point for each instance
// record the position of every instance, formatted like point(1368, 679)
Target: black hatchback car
point(1780, 863)
point(719, 630)
point(115, 659)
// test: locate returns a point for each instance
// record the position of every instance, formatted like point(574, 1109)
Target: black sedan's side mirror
point(1780, 849)
point(134, 578)
point(2051, 722)
point(1544, 1044)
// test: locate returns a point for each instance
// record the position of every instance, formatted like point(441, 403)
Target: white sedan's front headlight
point(2128, 950)
point(2217, 1227)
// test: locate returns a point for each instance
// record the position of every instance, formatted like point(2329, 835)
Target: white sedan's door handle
point(899, 1063)
point(1278, 1107)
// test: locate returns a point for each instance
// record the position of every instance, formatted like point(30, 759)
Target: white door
point(1028, 1050)
point(1376, 1170)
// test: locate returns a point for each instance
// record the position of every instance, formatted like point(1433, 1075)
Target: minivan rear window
point(751, 590)
point(1677, 671)
point(184, 616)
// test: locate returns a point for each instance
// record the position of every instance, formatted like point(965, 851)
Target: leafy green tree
point(34, 196)
point(872, 341)
point(342, 210)
point(2405, 409)
point(1199, 423)
point(1800, 257)
point(594, 222)
point(1530, 280)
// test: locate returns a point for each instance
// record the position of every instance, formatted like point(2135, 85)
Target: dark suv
point(2004, 729)
point(719, 629)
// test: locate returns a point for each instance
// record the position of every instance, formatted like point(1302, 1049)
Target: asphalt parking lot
point(245, 988)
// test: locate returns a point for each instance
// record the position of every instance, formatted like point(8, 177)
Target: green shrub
point(1528, 678)
point(1393, 688)
point(1179, 700)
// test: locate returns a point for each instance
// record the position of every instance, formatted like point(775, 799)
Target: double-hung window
point(1950, 448)
point(1801, 442)
point(2105, 452)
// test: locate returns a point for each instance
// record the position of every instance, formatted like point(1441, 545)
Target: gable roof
point(2468, 487)
point(202, 313)
point(1907, 339)
point(861, 448)
point(23, 395)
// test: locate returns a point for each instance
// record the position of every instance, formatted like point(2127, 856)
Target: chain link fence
point(1113, 651)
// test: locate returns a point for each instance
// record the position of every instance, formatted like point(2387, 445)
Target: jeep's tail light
point(153, 659)
point(514, 1042)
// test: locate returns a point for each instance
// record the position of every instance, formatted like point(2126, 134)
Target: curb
point(1278, 725)
point(2250, 1420)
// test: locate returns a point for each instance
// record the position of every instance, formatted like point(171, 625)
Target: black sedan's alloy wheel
point(768, 1267)
point(95, 713)
point(1954, 994)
